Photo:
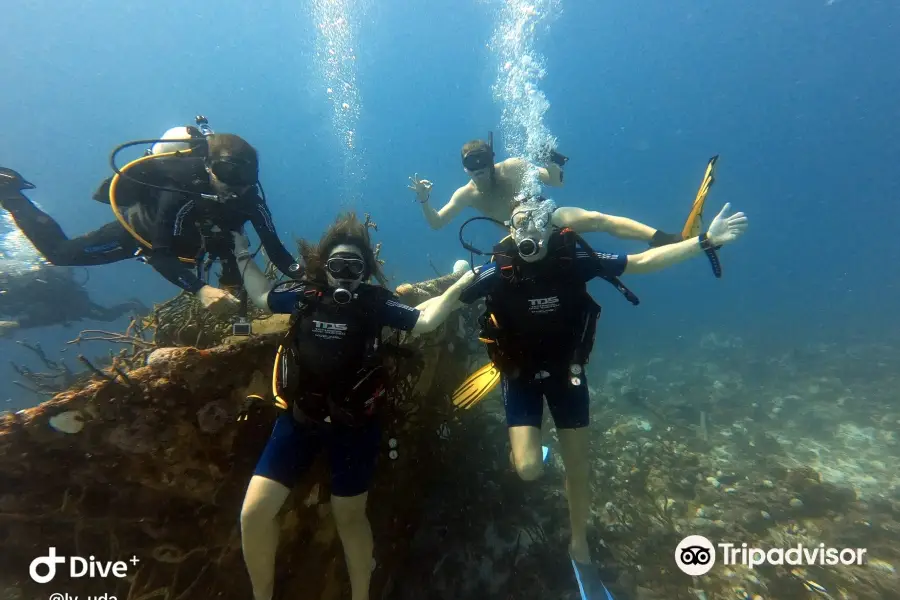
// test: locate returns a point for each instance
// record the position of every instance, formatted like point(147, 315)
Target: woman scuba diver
point(331, 377)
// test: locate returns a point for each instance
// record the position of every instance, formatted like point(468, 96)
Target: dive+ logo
point(695, 555)
point(78, 567)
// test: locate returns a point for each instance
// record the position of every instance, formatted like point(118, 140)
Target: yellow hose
point(115, 206)
point(279, 401)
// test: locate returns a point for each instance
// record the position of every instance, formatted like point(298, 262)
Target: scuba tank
point(170, 140)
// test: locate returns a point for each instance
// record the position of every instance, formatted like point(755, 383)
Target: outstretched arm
point(723, 230)
point(434, 311)
point(255, 282)
point(586, 221)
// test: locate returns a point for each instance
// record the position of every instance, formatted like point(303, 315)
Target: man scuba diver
point(539, 326)
point(174, 207)
point(493, 187)
point(330, 369)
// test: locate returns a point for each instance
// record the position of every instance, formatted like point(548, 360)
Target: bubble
point(336, 22)
point(517, 87)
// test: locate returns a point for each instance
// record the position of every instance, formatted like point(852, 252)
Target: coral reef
point(736, 441)
point(153, 461)
point(821, 471)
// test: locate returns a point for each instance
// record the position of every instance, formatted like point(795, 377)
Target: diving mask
point(478, 160)
point(531, 224)
point(234, 173)
point(345, 272)
point(343, 267)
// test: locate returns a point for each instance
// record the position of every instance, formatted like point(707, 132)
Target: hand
point(241, 243)
point(422, 188)
point(724, 228)
point(219, 302)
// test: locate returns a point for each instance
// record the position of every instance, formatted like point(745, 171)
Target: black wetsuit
point(545, 322)
point(332, 381)
point(175, 224)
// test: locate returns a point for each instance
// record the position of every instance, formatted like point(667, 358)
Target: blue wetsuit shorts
point(523, 399)
point(293, 446)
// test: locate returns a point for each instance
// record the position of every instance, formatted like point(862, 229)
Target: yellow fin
point(694, 222)
point(476, 387)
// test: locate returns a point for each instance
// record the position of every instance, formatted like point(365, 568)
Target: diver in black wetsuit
point(330, 369)
point(175, 209)
point(539, 327)
point(30, 297)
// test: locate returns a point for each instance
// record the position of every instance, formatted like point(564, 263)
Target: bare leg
point(356, 536)
point(574, 449)
point(259, 532)
point(526, 451)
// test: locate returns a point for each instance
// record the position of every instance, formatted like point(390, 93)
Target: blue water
point(800, 100)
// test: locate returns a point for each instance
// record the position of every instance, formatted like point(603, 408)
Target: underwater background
point(800, 99)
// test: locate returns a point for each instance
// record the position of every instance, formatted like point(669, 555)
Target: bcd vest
point(540, 316)
point(330, 363)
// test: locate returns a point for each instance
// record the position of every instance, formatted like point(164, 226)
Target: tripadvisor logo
point(696, 555)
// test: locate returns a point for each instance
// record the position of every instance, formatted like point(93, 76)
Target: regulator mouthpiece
point(342, 296)
point(531, 223)
point(529, 247)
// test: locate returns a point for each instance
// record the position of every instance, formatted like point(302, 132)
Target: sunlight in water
point(520, 71)
point(336, 22)
point(15, 246)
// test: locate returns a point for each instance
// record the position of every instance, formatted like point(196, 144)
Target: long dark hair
point(346, 229)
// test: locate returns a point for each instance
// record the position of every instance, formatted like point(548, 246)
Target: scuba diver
point(331, 375)
point(539, 325)
point(174, 207)
point(493, 187)
point(30, 297)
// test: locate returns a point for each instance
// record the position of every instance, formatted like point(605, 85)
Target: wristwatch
point(710, 251)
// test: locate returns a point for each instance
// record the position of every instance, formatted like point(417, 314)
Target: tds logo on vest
point(541, 306)
point(329, 331)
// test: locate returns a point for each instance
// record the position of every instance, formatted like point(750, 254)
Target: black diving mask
point(478, 160)
point(234, 173)
point(342, 267)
